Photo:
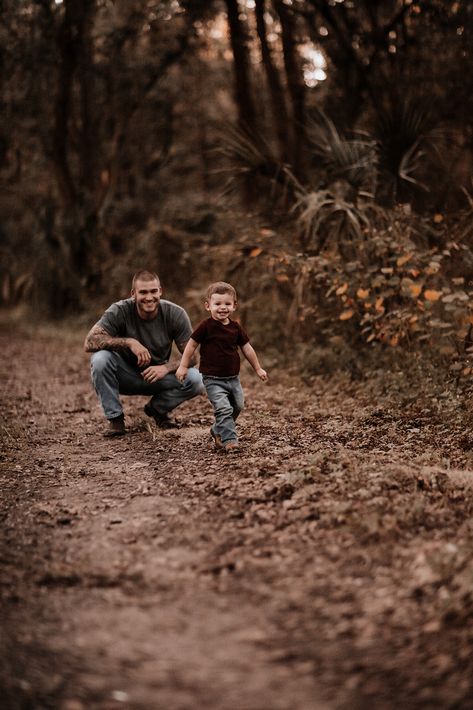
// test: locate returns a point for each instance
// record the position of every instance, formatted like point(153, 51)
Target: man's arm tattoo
point(98, 339)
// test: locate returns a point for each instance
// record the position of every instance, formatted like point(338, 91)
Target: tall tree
point(276, 89)
point(295, 84)
point(241, 62)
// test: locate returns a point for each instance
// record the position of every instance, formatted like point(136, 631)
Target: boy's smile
point(221, 306)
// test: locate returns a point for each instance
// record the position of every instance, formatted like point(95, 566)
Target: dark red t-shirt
point(219, 345)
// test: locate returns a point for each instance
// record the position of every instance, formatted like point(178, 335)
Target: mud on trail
point(328, 565)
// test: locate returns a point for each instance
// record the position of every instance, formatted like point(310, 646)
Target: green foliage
point(354, 161)
point(408, 286)
point(325, 215)
point(407, 136)
point(249, 157)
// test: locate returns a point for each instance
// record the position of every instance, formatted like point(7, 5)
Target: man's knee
point(101, 361)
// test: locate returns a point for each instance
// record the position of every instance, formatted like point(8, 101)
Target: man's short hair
point(144, 275)
point(220, 287)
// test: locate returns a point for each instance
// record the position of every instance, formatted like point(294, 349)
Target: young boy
point(219, 338)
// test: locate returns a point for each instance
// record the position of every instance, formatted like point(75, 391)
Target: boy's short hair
point(220, 287)
point(144, 275)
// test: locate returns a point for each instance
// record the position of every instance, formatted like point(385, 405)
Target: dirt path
point(327, 566)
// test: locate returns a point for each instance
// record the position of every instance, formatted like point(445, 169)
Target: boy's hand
point(181, 373)
point(262, 374)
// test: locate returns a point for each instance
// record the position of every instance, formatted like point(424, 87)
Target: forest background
point(317, 153)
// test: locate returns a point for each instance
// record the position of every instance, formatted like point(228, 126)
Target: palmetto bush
point(325, 215)
point(409, 138)
point(337, 158)
point(345, 171)
point(250, 160)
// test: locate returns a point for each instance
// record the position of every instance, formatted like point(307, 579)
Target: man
point(132, 345)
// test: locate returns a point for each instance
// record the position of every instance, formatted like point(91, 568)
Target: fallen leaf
point(256, 251)
point(432, 295)
point(346, 315)
point(341, 289)
point(403, 259)
point(379, 304)
point(415, 290)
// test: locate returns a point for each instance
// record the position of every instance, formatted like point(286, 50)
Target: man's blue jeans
point(227, 399)
point(112, 376)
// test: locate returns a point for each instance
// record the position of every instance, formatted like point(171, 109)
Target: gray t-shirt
point(172, 324)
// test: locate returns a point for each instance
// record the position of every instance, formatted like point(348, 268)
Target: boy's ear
point(206, 306)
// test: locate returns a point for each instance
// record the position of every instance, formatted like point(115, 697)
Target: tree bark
point(295, 84)
point(243, 89)
point(276, 88)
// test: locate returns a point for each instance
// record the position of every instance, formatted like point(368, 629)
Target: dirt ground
point(327, 566)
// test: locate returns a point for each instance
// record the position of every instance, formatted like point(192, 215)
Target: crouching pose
point(131, 346)
point(219, 338)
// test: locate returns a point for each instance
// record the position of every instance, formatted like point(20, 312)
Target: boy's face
point(221, 306)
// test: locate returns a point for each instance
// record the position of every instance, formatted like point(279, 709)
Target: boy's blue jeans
point(112, 376)
point(227, 399)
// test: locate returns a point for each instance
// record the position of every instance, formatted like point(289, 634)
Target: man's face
point(221, 306)
point(147, 295)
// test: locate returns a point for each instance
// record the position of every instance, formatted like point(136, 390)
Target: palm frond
point(249, 155)
point(406, 132)
point(324, 215)
point(352, 159)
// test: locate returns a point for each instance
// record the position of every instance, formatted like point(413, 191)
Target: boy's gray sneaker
point(116, 426)
point(162, 420)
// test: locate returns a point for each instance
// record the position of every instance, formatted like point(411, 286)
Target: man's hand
point(143, 355)
point(181, 373)
point(154, 373)
point(262, 374)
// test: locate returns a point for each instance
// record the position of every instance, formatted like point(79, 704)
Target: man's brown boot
point(116, 426)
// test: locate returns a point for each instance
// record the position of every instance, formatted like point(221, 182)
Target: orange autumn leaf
point(346, 315)
point(438, 218)
point(379, 304)
point(363, 293)
point(341, 289)
point(256, 251)
point(403, 259)
point(282, 278)
point(431, 295)
point(415, 290)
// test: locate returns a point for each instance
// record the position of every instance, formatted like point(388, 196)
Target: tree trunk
point(295, 84)
point(276, 88)
point(243, 90)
